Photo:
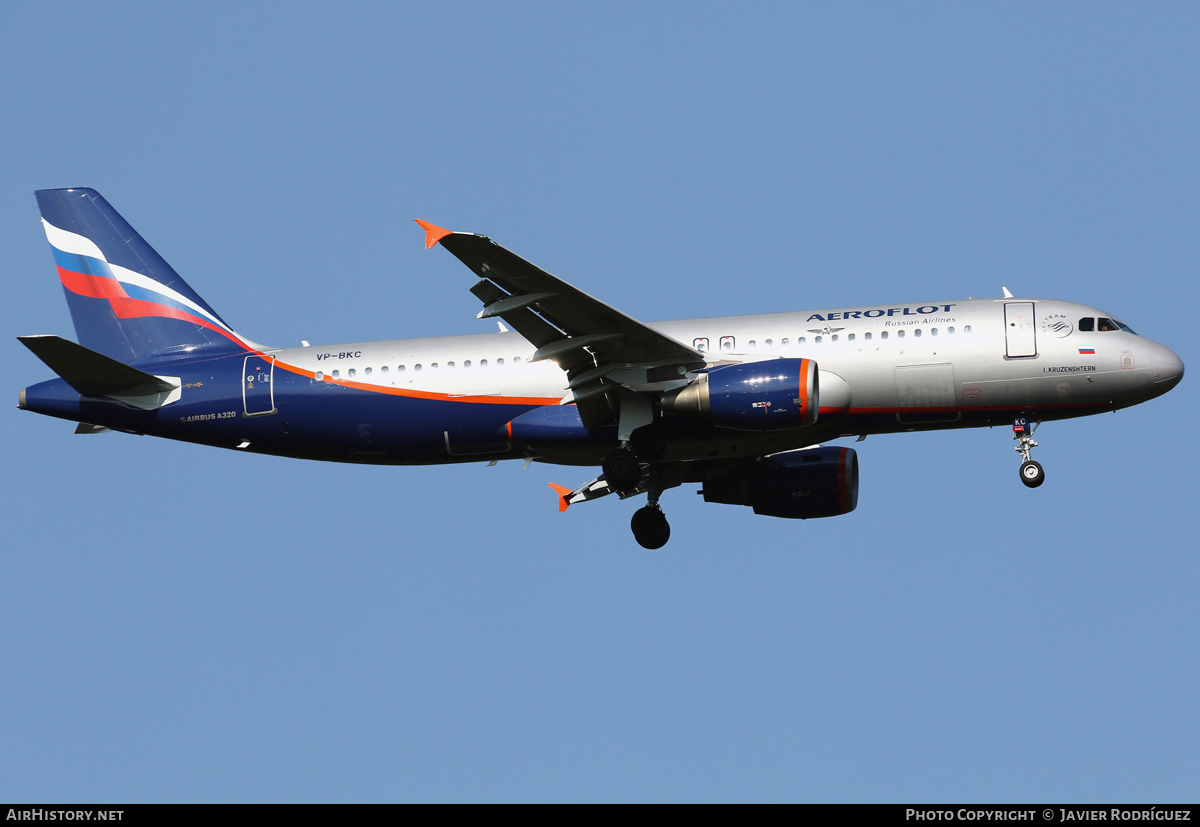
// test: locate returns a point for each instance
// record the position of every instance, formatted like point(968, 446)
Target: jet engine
point(753, 396)
point(810, 482)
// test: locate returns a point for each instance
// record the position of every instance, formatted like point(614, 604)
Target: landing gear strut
point(649, 524)
point(1031, 472)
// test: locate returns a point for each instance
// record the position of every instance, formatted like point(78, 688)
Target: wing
point(601, 349)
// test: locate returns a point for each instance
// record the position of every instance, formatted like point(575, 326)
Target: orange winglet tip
point(433, 233)
point(563, 494)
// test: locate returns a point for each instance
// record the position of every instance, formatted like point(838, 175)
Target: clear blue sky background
point(185, 624)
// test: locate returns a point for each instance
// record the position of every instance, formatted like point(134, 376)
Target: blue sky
point(186, 624)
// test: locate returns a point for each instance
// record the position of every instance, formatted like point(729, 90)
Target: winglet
point(433, 233)
point(563, 496)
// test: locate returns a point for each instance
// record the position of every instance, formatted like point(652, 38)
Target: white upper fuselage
point(958, 355)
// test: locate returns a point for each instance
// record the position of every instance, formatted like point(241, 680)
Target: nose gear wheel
point(1031, 472)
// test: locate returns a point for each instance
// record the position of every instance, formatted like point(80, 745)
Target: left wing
point(601, 349)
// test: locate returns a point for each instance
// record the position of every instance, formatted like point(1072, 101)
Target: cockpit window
point(1087, 325)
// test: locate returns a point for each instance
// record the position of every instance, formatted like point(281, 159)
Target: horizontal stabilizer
point(92, 373)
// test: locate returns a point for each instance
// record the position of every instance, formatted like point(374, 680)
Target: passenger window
point(883, 334)
point(417, 367)
point(319, 375)
point(867, 336)
point(516, 361)
point(767, 343)
point(400, 369)
point(850, 338)
point(817, 340)
point(726, 343)
point(1087, 324)
point(433, 365)
point(383, 369)
point(483, 363)
point(367, 372)
point(899, 334)
point(449, 364)
point(752, 344)
point(337, 375)
point(467, 363)
point(966, 328)
point(351, 373)
point(784, 342)
point(949, 331)
point(933, 331)
point(801, 340)
point(834, 337)
point(700, 344)
point(917, 333)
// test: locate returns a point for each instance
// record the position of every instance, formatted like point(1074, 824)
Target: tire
point(650, 527)
point(1032, 474)
point(621, 470)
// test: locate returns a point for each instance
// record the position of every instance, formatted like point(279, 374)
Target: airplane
point(742, 405)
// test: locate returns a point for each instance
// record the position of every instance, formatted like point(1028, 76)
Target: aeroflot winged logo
point(876, 312)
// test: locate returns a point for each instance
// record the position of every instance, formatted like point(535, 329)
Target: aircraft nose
point(1168, 369)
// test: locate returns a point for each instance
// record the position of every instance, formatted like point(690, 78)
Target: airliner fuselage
point(729, 402)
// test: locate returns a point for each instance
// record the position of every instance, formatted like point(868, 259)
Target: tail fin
point(125, 300)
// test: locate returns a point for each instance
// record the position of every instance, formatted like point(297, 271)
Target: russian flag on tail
point(125, 300)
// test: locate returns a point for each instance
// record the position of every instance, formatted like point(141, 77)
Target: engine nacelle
point(753, 396)
point(811, 482)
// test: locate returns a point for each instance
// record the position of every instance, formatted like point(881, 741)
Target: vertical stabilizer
point(125, 300)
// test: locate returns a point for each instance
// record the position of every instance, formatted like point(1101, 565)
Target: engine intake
point(811, 482)
point(755, 396)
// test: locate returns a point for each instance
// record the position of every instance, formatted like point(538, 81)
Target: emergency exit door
point(1020, 333)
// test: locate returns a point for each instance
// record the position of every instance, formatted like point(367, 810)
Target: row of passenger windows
point(352, 373)
point(728, 343)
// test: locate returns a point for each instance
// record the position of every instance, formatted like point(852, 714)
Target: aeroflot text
point(842, 315)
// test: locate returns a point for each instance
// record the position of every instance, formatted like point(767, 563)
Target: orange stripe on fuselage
point(534, 401)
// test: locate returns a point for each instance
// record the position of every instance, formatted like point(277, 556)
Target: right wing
point(602, 350)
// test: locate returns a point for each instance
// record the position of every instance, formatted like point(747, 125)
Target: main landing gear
point(650, 527)
point(623, 472)
point(1031, 472)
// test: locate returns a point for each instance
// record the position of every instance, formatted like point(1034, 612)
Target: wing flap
point(582, 326)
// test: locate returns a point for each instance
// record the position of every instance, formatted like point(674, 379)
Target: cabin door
point(258, 390)
point(1020, 333)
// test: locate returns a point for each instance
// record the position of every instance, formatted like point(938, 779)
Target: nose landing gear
point(1031, 472)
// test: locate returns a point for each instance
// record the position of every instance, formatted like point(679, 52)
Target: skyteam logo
point(1058, 326)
